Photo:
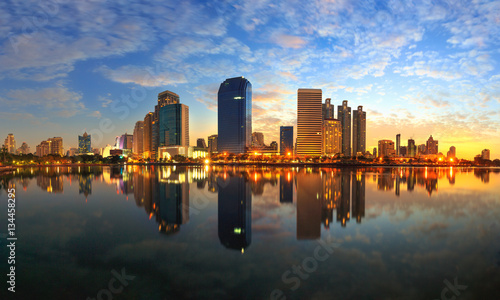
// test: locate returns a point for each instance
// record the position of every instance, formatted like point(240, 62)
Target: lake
point(166, 232)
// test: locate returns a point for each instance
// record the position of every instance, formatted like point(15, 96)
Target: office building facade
point(359, 132)
point(138, 138)
point(234, 114)
point(10, 143)
point(286, 140)
point(328, 109)
point(84, 143)
point(212, 143)
point(309, 122)
point(344, 116)
point(398, 145)
point(386, 148)
point(432, 146)
point(332, 137)
point(147, 137)
point(174, 125)
point(412, 148)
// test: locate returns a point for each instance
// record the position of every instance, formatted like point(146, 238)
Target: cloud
point(59, 99)
point(207, 94)
point(95, 114)
point(288, 41)
point(143, 76)
point(104, 100)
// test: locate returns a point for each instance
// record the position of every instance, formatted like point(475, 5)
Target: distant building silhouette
point(212, 144)
point(344, 115)
point(286, 140)
point(84, 143)
point(359, 131)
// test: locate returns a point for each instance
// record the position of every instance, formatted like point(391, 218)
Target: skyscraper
point(286, 140)
point(138, 146)
point(148, 128)
point(412, 149)
point(167, 98)
point(258, 140)
point(164, 98)
point(386, 148)
point(200, 143)
point(332, 137)
point(359, 131)
point(84, 143)
point(309, 122)
point(328, 109)
point(485, 154)
point(10, 143)
point(212, 143)
point(398, 144)
point(174, 125)
point(126, 142)
point(432, 146)
point(43, 149)
point(452, 153)
point(344, 116)
point(56, 146)
point(234, 114)
point(24, 149)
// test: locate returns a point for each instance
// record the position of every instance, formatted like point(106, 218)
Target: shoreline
point(5, 169)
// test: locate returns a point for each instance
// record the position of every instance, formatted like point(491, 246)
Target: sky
point(418, 68)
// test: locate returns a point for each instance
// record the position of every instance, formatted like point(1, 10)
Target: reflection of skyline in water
point(321, 195)
point(411, 238)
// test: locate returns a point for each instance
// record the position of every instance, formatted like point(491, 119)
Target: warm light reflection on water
point(232, 232)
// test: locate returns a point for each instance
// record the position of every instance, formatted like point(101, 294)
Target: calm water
point(254, 233)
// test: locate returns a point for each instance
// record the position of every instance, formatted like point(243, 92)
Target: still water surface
point(255, 233)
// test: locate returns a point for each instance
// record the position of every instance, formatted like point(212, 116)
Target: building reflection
point(358, 196)
point(315, 208)
point(343, 208)
point(393, 178)
point(483, 174)
point(50, 183)
point(286, 187)
point(85, 184)
point(234, 211)
point(171, 205)
point(309, 204)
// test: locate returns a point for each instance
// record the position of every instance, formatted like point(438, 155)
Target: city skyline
point(415, 68)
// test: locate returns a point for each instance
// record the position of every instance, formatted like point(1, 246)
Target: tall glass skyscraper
point(174, 125)
point(234, 102)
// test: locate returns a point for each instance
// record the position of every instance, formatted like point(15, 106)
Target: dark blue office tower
point(234, 106)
